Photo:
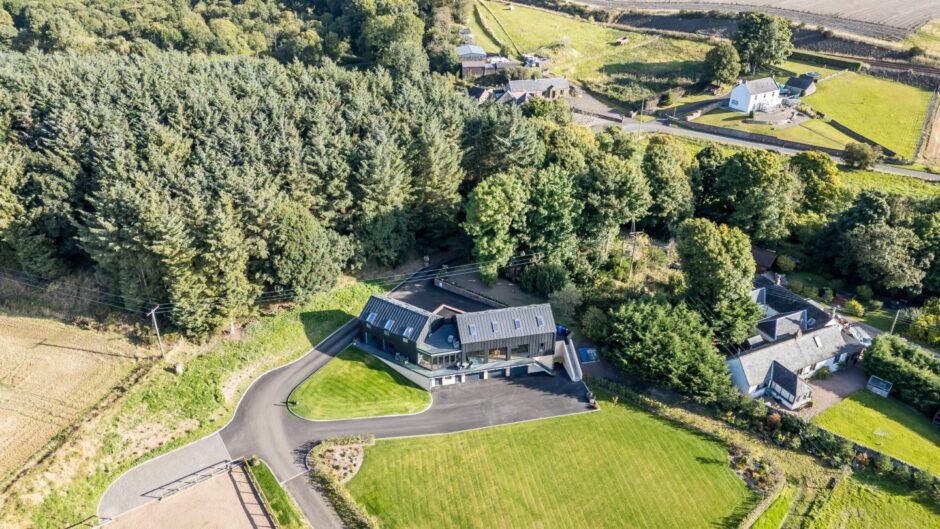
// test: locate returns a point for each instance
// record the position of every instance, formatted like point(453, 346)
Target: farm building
point(470, 52)
point(489, 66)
point(757, 95)
point(520, 91)
point(800, 87)
point(447, 347)
point(795, 339)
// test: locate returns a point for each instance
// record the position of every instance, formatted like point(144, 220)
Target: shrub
point(543, 278)
point(915, 373)
point(822, 373)
point(825, 294)
point(594, 323)
point(566, 299)
point(922, 480)
point(860, 155)
point(854, 308)
point(862, 459)
point(883, 464)
point(786, 264)
point(916, 51)
point(864, 292)
point(796, 286)
point(876, 304)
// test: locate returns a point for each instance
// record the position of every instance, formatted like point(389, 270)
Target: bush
point(923, 480)
point(566, 300)
point(822, 373)
point(860, 155)
point(825, 294)
point(876, 304)
point(915, 373)
point(864, 292)
point(854, 308)
point(543, 278)
point(796, 286)
point(786, 264)
point(594, 323)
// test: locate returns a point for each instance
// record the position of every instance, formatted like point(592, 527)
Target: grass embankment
point(619, 467)
point(813, 131)
point(589, 53)
point(285, 512)
point(887, 426)
point(357, 384)
point(896, 184)
point(166, 411)
point(862, 501)
point(774, 516)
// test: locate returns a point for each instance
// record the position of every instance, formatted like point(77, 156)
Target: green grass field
point(774, 516)
point(864, 502)
point(887, 112)
point(813, 132)
point(856, 180)
point(357, 384)
point(619, 467)
point(286, 513)
point(887, 426)
point(589, 53)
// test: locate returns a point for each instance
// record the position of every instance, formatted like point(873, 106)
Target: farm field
point(619, 467)
point(589, 53)
point(887, 426)
point(357, 384)
point(864, 502)
point(813, 132)
point(50, 374)
point(927, 37)
point(165, 411)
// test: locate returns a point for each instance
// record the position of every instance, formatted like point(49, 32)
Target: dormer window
point(408, 331)
point(370, 319)
point(389, 324)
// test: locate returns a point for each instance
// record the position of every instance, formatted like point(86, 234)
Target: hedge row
point(825, 60)
point(914, 373)
point(353, 515)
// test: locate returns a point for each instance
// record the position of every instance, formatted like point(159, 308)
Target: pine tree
point(437, 178)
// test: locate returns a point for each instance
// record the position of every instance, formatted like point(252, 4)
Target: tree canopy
point(763, 40)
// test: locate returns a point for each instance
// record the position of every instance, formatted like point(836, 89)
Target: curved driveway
point(263, 426)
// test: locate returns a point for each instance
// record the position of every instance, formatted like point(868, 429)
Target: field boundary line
point(929, 127)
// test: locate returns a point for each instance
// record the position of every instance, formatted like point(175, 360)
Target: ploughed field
point(905, 15)
point(50, 374)
point(618, 467)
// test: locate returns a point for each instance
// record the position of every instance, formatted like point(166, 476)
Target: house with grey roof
point(446, 346)
point(795, 339)
point(521, 90)
point(757, 95)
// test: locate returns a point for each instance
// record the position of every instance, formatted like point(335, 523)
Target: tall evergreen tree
point(553, 212)
point(496, 217)
point(437, 175)
point(665, 165)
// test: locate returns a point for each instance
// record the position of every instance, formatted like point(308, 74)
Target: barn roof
point(397, 317)
point(510, 322)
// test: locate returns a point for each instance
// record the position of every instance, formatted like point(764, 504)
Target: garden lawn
point(286, 513)
point(864, 502)
point(619, 467)
point(887, 112)
point(357, 384)
point(887, 426)
point(588, 52)
point(813, 132)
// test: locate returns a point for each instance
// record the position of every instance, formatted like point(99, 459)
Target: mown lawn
point(887, 112)
point(813, 132)
point(619, 467)
point(285, 512)
point(357, 384)
point(887, 426)
point(588, 52)
point(864, 502)
point(856, 180)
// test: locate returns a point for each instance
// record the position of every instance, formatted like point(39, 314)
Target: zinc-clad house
point(437, 349)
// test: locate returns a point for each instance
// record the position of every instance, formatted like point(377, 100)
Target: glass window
point(424, 360)
point(497, 354)
point(517, 323)
point(520, 351)
point(495, 325)
point(389, 324)
point(473, 330)
point(540, 321)
point(371, 317)
point(476, 357)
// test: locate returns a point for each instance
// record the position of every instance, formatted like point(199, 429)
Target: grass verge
point(285, 512)
point(357, 384)
point(887, 426)
point(862, 501)
point(165, 411)
point(621, 467)
point(813, 131)
point(774, 516)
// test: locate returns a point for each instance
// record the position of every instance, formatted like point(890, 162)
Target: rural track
point(263, 426)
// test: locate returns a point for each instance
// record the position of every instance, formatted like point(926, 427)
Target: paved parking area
point(827, 393)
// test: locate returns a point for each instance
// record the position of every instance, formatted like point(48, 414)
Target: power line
point(45, 289)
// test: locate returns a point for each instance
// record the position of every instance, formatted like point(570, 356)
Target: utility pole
point(895, 322)
point(633, 249)
point(156, 328)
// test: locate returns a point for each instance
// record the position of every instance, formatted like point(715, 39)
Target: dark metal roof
point(395, 316)
point(801, 83)
point(763, 258)
point(505, 323)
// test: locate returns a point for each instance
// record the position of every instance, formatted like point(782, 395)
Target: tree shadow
point(318, 324)
point(664, 69)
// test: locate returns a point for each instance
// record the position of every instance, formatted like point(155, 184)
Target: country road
point(263, 426)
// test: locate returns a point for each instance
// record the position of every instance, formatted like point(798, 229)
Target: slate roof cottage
point(757, 95)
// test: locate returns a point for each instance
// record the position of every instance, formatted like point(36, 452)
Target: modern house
point(448, 347)
point(757, 95)
point(800, 87)
point(470, 52)
point(795, 339)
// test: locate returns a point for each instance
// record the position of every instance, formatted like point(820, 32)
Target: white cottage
point(757, 95)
